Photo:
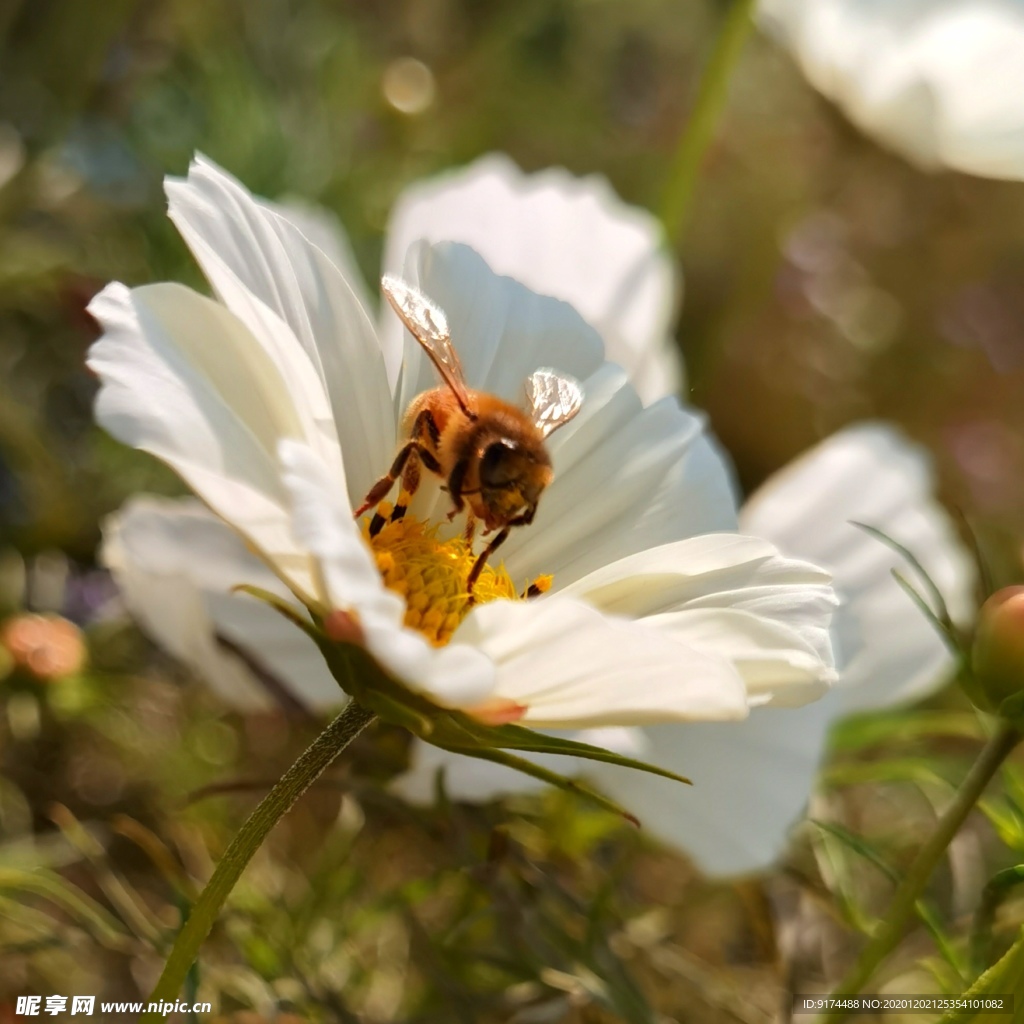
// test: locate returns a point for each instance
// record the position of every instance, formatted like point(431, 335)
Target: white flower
point(752, 778)
point(564, 236)
point(940, 81)
point(279, 406)
point(176, 565)
point(869, 473)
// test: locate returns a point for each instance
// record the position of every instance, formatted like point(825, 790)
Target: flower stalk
point(303, 773)
point(711, 97)
point(995, 752)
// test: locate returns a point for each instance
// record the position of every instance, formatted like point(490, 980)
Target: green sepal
point(520, 764)
point(516, 737)
point(279, 604)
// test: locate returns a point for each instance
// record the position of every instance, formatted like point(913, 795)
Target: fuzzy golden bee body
point(490, 454)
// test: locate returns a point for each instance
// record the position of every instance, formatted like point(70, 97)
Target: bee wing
point(552, 399)
point(429, 326)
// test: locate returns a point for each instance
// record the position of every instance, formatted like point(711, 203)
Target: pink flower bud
point(997, 656)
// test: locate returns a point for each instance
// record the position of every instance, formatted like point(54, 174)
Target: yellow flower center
point(431, 574)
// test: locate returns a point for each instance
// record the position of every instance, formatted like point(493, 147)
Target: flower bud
point(997, 656)
point(47, 647)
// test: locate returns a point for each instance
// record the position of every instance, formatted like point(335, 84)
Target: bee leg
point(410, 478)
point(470, 527)
point(456, 479)
point(523, 519)
point(478, 566)
point(423, 424)
point(379, 491)
point(401, 505)
point(425, 421)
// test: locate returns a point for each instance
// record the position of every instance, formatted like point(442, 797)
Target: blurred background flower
point(937, 80)
point(47, 647)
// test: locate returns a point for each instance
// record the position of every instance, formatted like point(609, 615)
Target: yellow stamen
point(431, 573)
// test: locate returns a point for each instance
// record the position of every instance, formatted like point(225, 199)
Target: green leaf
point(945, 945)
point(942, 618)
point(1006, 819)
point(925, 911)
point(995, 891)
point(102, 925)
point(1012, 709)
point(944, 629)
point(1006, 977)
point(859, 846)
point(909, 769)
point(854, 734)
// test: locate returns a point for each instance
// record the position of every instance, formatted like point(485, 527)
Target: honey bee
point(490, 453)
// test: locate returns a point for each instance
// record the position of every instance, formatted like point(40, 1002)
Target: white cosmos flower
point(565, 236)
point(940, 81)
point(279, 402)
point(751, 778)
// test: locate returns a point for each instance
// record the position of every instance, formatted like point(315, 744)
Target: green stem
point(714, 88)
point(901, 909)
point(306, 770)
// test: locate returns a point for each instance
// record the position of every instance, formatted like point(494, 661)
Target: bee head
point(512, 478)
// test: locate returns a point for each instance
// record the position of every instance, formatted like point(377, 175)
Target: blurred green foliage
point(825, 281)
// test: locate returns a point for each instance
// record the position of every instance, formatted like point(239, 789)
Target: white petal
point(869, 473)
point(936, 81)
point(751, 781)
point(573, 667)
point(735, 573)
point(626, 479)
point(454, 675)
point(323, 524)
point(560, 235)
point(777, 664)
point(692, 572)
point(184, 380)
point(501, 329)
point(323, 228)
point(267, 272)
point(176, 564)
